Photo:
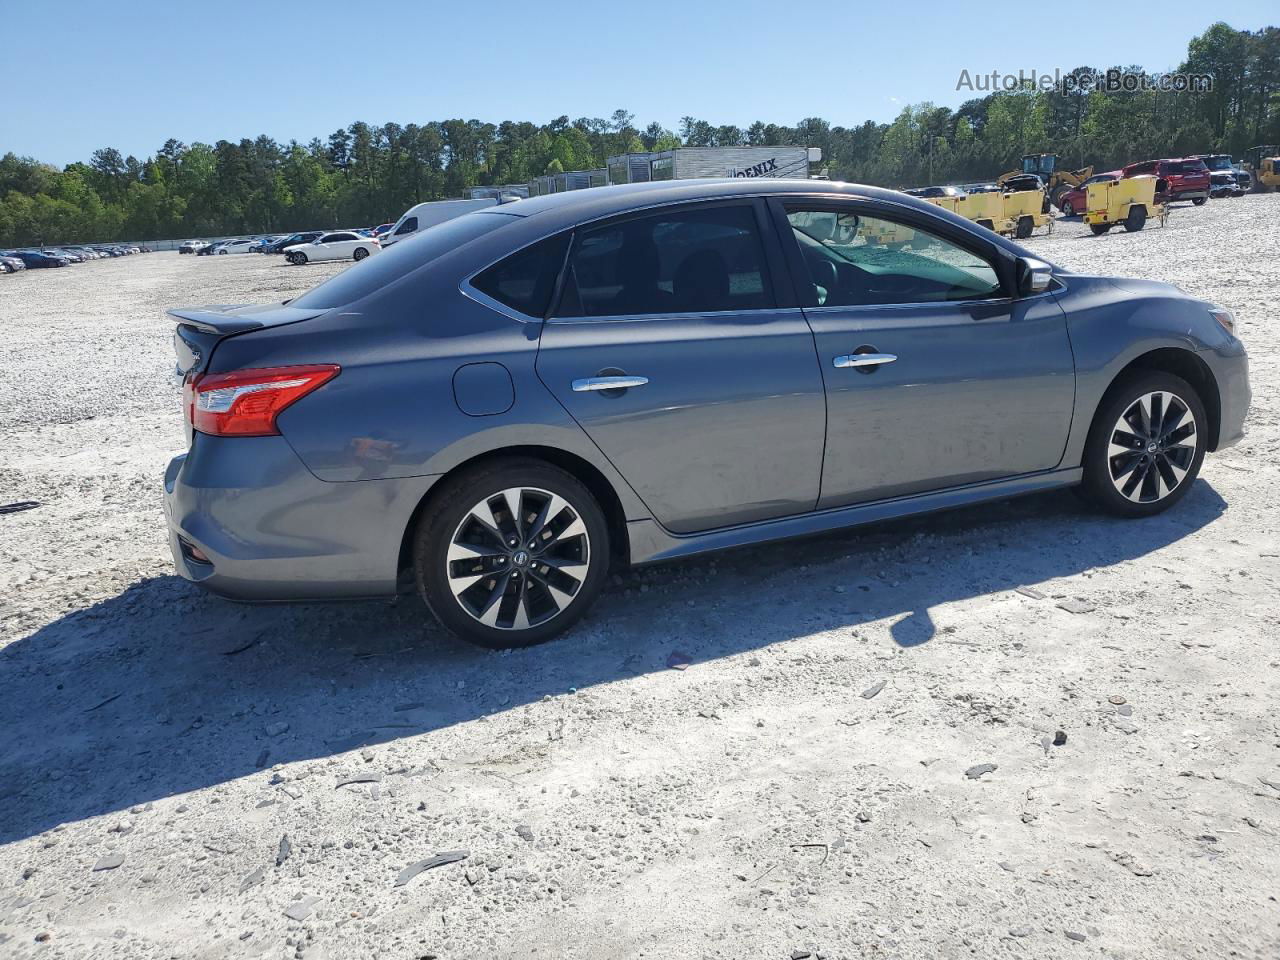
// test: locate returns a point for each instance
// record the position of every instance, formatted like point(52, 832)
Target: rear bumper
point(1189, 194)
point(271, 531)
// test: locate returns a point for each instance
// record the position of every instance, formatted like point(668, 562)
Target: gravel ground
point(859, 760)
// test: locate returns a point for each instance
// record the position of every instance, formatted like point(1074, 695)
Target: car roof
point(570, 208)
point(597, 202)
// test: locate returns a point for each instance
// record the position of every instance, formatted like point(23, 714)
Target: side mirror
point(1034, 276)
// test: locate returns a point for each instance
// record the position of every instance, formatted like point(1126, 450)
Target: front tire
point(1145, 446)
point(511, 553)
point(1200, 201)
point(1067, 209)
point(1099, 228)
point(1136, 218)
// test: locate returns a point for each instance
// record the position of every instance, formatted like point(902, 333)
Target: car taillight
point(247, 402)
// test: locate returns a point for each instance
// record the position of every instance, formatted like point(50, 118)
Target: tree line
point(366, 174)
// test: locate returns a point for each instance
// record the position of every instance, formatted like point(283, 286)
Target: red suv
point(1076, 200)
point(1188, 179)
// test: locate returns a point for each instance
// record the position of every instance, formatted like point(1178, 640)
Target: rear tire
point(1200, 201)
point(1143, 453)
point(1067, 209)
point(1024, 228)
point(359, 254)
point(1099, 228)
point(1136, 219)
point(511, 553)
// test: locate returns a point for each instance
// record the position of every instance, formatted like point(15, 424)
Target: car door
point(935, 376)
point(326, 247)
point(670, 348)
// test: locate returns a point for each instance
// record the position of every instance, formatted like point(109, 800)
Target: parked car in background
point(1223, 163)
point(526, 393)
point(68, 254)
point(192, 246)
point(233, 246)
point(1187, 179)
point(1223, 184)
point(423, 215)
point(256, 245)
point(1075, 201)
point(382, 228)
point(10, 264)
point(39, 258)
point(340, 245)
point(931, 192)
point(306, 236)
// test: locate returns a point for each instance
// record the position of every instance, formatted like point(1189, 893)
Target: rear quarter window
point(526, 280)
point(373, 273)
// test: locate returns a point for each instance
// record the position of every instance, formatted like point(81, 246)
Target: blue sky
point(132, 74)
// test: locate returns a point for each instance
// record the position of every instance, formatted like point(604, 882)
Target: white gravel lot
point(766, 802)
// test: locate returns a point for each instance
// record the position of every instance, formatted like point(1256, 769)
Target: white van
point(418, 218)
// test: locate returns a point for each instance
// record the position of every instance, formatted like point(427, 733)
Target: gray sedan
point(500, 408)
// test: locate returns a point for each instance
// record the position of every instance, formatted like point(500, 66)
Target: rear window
point(401, 258)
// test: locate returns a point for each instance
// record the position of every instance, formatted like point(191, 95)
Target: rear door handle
point(589, 384)
point(862, 360)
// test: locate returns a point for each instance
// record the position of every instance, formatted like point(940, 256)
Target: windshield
point(1218, 163)
point(404, 257)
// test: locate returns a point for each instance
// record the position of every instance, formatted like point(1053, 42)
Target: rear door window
point(700, 259)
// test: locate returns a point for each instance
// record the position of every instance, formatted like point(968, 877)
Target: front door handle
point(589, 384)
point(861, 360)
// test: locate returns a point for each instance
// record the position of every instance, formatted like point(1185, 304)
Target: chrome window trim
point(691, 315)
point(467, 290)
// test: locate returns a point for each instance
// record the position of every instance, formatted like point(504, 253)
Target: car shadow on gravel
point(163, 690)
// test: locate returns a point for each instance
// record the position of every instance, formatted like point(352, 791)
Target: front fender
point(1113, 322)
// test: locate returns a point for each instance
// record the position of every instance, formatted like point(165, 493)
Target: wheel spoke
point(551, 509)
point(488, 614)
point(561, 597)
point(1157, 415)
point(1184, 432)
point(1133, 487)
point(1132, 460)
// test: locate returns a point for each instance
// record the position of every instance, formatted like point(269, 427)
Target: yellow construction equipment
point(1012, 214)
point(1263, 164)
point(1025, 210)
point(884, 233)
point(984, 209)
point(1045, 166)
point(1130, 201)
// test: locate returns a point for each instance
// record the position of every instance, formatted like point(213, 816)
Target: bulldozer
point(1045, 167)
point(1263, 164)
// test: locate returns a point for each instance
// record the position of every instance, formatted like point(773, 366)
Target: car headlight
point(1226, 318)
